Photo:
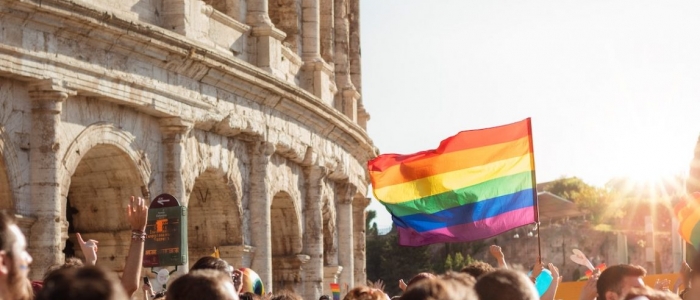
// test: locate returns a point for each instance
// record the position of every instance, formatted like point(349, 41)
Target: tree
point(458, 262)
point(448, 263)
point(586, 197)
point(370, 225)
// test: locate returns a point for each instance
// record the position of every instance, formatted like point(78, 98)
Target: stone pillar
point(47, 240)
point(330, 275)
point(354, 53)
point(267, 38)
point(359, 205)
point(347, 97)
point(311, 30)
point(313, 233)
point(260, 201)
point(187, 18)
point(346, 249)
point(176, 172)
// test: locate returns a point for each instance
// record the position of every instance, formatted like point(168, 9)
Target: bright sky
point(612, 87)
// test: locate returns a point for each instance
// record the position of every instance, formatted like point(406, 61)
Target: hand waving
point(89, 249)
point(137, 213)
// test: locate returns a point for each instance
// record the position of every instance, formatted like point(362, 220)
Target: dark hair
point(286, 295)
point(458, 278)
point(611, 278)
point(419, 277)
point(200, 284)
point(477, 269)
point(71, 263)
point(249, 296)
point(86, 283)
point(505, 284)
point(439, 289)
point(324, 297)
point(210, 262)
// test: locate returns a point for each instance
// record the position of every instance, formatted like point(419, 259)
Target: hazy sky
point(612, 87)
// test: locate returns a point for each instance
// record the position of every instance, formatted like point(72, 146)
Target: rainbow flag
point(475, 185)
point(335, 289)
point(688, 213)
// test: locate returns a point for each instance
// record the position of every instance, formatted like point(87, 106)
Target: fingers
point(80, 238)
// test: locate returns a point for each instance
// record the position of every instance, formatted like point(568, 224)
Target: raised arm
point(552, 289)
point(137, 213)
point(497, 253)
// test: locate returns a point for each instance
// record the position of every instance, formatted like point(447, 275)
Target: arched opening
point(285, 15)
point(99, 191)
point(214, 216)
point(286, 243)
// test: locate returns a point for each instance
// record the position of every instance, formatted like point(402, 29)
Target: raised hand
point(496, 251)
point(89, 249)
point(402, 285)
point(379, 284)
point(537, 269)
point(137, 213)
point(589, 291)
point(556, 280)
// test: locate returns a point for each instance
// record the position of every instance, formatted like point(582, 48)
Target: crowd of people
point(213, 278)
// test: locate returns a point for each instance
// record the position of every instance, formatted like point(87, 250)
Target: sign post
point(166, 233)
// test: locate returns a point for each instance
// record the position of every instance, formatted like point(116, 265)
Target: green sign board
point(166, 233)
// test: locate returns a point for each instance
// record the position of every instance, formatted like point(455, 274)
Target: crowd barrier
point(571, 290)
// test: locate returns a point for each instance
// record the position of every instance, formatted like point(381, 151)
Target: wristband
point(138, 235)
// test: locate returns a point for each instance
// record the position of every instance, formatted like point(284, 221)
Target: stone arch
point(286, 15)
point(102, 171)
point(286, 242)
point(215, 215)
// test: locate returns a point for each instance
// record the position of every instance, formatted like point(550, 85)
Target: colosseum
point(248, 111)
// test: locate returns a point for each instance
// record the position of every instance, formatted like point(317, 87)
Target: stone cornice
point(161, 41)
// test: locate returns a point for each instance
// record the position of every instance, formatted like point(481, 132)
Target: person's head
point(86, 283)
point(249, 296)
point(419, 277)
point(617, 280)
point(647, 293)
point(71, 263)
point(210, 262)
point(365, 293)
point(505, 284)
point(477, 269)
point(202, 284)
point(324, 297)
point(285, 295)
point(439, 289)
point(14, 259)
point(461, 283)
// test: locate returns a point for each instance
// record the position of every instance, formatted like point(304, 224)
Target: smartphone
point(145, 281)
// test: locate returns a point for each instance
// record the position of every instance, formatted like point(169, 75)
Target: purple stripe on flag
point(482, 229)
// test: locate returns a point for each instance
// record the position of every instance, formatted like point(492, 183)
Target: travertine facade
point(248, 111)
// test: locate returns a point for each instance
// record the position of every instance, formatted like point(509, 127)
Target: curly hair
point(477, 269)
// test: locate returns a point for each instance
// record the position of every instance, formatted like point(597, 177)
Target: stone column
point(311, 30)
point(359, 205)
point(267, 38)
point(260, 201)
point(355, 59)
point(317, 73)
point(346, 249)
point(46, 241)
point(176, 172)
point(347, 97)
point(330, 275)
point(313, 233)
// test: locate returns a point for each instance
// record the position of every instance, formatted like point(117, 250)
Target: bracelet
point(138, 235)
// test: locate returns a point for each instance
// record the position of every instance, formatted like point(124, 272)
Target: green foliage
point(448, 263)
point(390, 262)
point(588, 198)
point(458, 262)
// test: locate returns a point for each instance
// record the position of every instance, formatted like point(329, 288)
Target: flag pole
point(534, 192)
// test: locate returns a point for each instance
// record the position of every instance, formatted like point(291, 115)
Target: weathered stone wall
point(103, 100)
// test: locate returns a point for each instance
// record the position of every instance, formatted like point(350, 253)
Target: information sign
point(166, 233)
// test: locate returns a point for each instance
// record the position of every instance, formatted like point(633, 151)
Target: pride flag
point(688, 213)
point(335, 289)
point(475, 185)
